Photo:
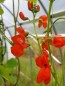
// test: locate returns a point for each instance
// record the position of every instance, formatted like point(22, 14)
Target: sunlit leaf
point(34, 1)
point(1, 11)
point(5, 72)
point(1, 1)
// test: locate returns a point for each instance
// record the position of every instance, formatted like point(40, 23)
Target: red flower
point(43, 21)
point(58, 41)
point(30, 5)
point(22, 16)
point(44, 75)
point(17, 50)
point(21, 31)
point(19, 41)
point(41, 61)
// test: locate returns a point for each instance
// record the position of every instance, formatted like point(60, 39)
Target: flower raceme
point(43, 21)
point(31, 7)
point(44, 74)
point(19, 43)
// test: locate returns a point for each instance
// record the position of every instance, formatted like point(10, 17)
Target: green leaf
point(12, 63)
point(5, 72)
point(1, 1)
point(1, 10)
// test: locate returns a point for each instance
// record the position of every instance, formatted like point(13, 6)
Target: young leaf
point(1, 1)
point(1, 10)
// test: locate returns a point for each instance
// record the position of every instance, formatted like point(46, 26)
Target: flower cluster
point(44, 75)
point(57, 41)
point(19, 42)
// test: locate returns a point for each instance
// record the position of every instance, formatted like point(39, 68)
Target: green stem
point(50, 6)
point(14, 16)
point(56, 21)
point(48, 29)
point(36, 33)
point(17, 10)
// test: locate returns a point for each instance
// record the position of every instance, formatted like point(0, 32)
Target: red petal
point(16, 50)
point(22, 16)
point(46, 75)
point(44, 24)
point(44, 18)
point(40, 76)
point(21, 31)
point(39, 24)
point(25, 45)
point(18, 40)
point(41, 61)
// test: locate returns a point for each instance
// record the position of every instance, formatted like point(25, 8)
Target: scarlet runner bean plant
point(19, 43)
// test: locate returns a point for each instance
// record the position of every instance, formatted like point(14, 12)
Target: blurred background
point(29, 69)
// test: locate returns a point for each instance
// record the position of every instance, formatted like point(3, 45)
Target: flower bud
point(22, 16)
point(30, 5)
